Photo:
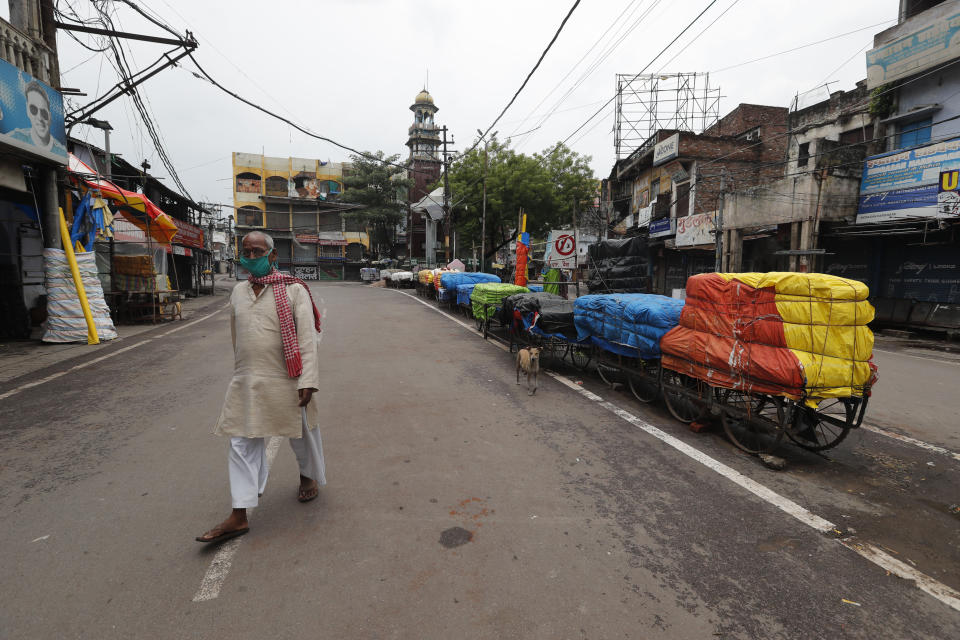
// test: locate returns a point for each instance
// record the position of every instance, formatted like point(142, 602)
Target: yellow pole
point(92, 337)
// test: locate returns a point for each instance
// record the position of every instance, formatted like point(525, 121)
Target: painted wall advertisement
point(561, 251)
point(696, 230)
point(31, 115)
point(904, 184)
point(935, 43)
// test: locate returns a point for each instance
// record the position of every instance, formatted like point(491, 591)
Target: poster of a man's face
point(38, 110)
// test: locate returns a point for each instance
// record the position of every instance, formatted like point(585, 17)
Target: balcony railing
point(26, 54)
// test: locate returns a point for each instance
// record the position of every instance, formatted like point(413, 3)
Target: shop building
point(905, 239)
point(33, 154)
point(296, 201)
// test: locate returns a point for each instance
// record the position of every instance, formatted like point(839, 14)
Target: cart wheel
point(557, 349)
point(645, 382)
point(684, 396)
point(753, 423)
point(823, 427)
point(579, 356)
point(608, 373)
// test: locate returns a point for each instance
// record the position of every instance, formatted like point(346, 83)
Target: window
point(249, 217)
point(277, 186)
point(654, 189)
point(248, 182)
point(683, 200)
point(803, 154)
point(914, 133)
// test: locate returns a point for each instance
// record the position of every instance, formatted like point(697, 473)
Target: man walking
point(274, 325)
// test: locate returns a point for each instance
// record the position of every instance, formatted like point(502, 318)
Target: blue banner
point(31, 115)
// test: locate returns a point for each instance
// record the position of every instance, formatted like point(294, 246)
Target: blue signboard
point(903, 184)
point(661, 227)
point(31, 115)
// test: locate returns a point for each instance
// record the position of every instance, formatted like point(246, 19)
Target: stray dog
point(528, 359)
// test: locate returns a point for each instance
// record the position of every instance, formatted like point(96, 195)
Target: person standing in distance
point(274, 326)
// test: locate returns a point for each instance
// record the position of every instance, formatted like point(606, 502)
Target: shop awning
point(135, 207)
point(357, 237)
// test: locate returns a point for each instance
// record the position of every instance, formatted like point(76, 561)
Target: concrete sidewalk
point(21, 357)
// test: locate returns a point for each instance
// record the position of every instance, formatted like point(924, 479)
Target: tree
point(381, 188)
point(544, 185)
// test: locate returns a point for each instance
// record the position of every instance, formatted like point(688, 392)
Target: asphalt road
point(457, 506)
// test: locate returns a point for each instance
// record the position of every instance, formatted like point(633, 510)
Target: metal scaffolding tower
point(649, 103)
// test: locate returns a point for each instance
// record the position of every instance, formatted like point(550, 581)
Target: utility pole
point(576, 246)
point(483, 224)
point(718, 233)
point(446, 196)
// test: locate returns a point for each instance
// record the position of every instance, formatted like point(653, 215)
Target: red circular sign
point(565, 245)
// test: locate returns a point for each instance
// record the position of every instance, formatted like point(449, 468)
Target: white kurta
point(262, 398)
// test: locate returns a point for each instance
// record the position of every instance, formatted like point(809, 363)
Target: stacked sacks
point(802, 335)
point(66, 322)
point(629, 324)
point(491, 293)
point(618, 266)
point(424, 276)
point(450, 282)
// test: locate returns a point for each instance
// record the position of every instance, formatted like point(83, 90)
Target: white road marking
point(925, 583)
point(913, 441)
point(36, 383)
point(910, 355)
point(784, 504)
point(220, 565)
point(938, 590)
point(40, 538)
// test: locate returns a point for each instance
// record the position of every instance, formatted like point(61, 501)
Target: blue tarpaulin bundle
point(451, 282)
point(463, 293)
point(629, 324)
point(454, 279)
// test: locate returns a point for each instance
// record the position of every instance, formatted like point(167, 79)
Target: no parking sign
point(561, 250)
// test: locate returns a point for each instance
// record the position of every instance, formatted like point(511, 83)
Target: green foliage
point(546, 186)
point(381, 189)
point(881, 101)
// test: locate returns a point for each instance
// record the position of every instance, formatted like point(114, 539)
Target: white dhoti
point(249, 467)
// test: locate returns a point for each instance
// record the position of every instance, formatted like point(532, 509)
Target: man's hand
point(305, 395)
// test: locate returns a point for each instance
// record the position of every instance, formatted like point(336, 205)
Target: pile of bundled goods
point(799, 335)
point(618, 266)
point(464, 291)
point(452, 280)
point(385, 274)
point(425, 276)
point(65, 320)
point(438, 281)
point(543, 314)
point(402, 279)
point(628, 324)
point(488, 296)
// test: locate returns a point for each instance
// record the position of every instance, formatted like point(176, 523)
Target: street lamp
point(106, 128)
point(483, 224)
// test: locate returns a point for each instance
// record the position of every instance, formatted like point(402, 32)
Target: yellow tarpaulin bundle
point(822, 319)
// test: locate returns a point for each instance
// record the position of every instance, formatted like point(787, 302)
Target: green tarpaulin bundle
point(487, 296)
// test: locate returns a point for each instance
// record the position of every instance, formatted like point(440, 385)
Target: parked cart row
point(770, 355)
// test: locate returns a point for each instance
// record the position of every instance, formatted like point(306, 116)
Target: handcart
point(772, 355)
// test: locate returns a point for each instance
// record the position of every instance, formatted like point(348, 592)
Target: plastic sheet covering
point(386, 274)
point(631, 324)
point(463, 293)
point(491, 293)
point(424, 276)
point(524, 303)
point(453, 279)
point(65, 320)
point(536, 288)
point(618, 266)
point(793, 334)
point(402, 276)
point(438, 276)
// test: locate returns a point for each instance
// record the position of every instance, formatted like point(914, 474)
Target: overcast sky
point(349, 69)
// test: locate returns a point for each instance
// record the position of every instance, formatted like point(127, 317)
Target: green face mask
point(258, 267)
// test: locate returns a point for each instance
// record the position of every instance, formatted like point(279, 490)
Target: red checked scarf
point(288, 330)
